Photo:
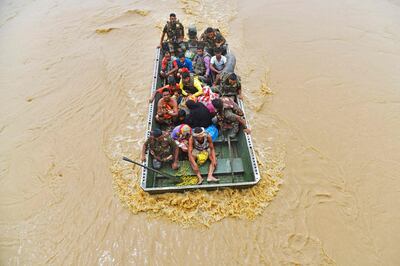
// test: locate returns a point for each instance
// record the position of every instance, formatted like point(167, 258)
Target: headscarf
point(185, 130)
point(202, 133)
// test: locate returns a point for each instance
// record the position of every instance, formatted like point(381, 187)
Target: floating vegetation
point(140, 12)
point(187, 179)
point(105, 30)
point(264, 88)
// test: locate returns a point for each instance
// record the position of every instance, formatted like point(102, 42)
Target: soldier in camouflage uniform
point(162, 148)
point(201, 65)
point(175, 34)
point(229, 116)
point(229, 85)
point(192, 42)
point(213, 39)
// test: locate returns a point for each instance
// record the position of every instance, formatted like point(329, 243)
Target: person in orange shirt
point(172, 86)
point(167, 109)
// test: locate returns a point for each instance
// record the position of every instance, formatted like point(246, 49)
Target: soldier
point(213, 39)
point(201, 64)
point(229, 85)
point(175, 34)
point(192, 34)
point(167, 108)
point(229, 116)
point(200, 149)
point(192, 42)
point(163, 149)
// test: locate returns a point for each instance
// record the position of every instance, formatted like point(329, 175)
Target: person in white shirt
point(217, 63)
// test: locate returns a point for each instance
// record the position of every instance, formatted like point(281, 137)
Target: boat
point(237, 164)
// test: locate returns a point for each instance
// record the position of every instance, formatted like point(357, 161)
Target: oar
point(228, 138)
point(148, 168)
point(230, 159)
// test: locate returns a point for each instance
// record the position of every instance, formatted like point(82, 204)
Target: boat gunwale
point(150, 116)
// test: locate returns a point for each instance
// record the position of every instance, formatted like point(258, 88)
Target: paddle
point(230, 158)
point(148, 168)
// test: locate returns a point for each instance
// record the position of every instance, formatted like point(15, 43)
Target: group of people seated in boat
point(198, 101)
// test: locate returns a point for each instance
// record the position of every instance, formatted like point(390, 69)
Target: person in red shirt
point(172, 86)
point(167, 65)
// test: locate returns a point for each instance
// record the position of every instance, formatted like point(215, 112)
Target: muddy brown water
point(322, 92)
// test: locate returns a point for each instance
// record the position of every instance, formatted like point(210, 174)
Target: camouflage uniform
point(210, 43)
point(192, 42)
point(174, 33)
point(225, 88)
point(199, 66)
point(227, 118)
point(163, 149)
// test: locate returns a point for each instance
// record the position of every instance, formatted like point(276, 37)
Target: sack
point(213, 132)
point(202, 157)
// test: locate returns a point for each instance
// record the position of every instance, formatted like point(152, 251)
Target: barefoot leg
point(196, 170)
point(210, 176)
point(200, 179)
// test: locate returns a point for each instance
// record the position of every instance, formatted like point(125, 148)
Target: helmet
point(192, 32)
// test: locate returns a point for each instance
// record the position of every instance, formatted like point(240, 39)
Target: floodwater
point(322, 93)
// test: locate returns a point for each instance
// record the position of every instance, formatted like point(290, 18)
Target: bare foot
point(212, 179)
point(200, 180)
point(175, 165)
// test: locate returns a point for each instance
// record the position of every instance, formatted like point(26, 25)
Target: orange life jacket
point(167, 107)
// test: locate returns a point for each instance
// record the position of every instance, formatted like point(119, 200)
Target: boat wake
point(200, 207)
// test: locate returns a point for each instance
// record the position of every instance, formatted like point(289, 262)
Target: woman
point(181, 134)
